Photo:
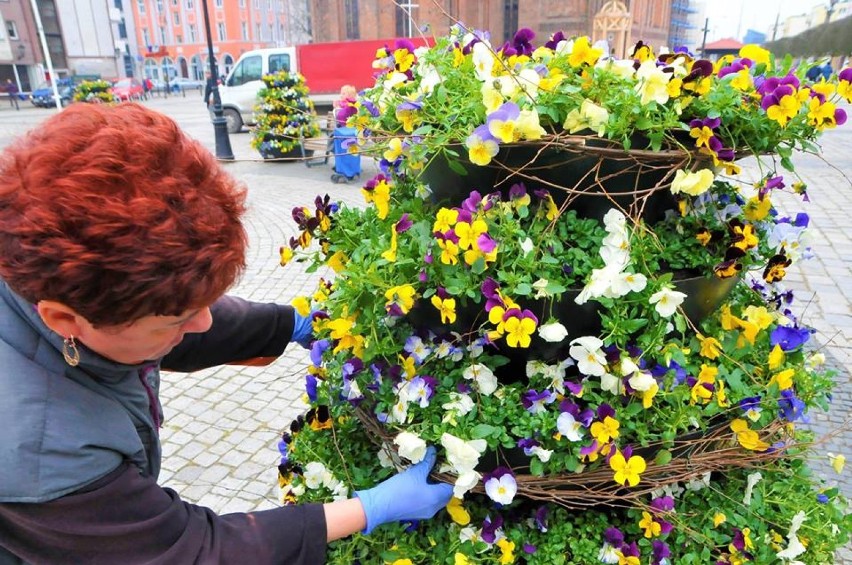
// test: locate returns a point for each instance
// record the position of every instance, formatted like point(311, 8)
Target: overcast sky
point(728, 16)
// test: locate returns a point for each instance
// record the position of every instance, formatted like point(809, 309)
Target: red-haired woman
point(119, 236)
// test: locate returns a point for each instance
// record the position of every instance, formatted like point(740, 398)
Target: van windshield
point(247, 70)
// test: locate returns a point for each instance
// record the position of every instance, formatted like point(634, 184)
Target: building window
point(159, 5)
point(163, 36)
point(140, 5)
point(257, 36)
point(405, 16)
point(179, 38)
point(350, 8)
point(11, 30)
point(176, 17)
point(244, 26)
point(192, 34)
point(510, 18)
point(146, 38)
point(117, 4)
point(219, 3)
point(242, 3)
point(221, 27)
point(122, 30)
point(189, 4)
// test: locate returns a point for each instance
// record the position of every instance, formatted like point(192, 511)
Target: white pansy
point(385, 459)
point(600, 283)
point(587, 351)
point(501, 490)
point(540, 287)
point(615, 258)
point(542, 454)
point(459, 403)
point(507, 85)
point(751, 480)
point(483, 61)
point(608, 554)
point(431, 79)
point(340, 491)
point(667, 300)
point(465, 482)
point(463, 455)
point(628, 366)
point(642, 381)
point(528, 80)
point(527, 245)
point(298, 490)
point(315, 474)
point(698, 483)
point(483, 376)
point(411, 446)
point(468, 534)
point(553, 332)
point(399, 412)
point(596, 117)
point(569, 427)
point(610, 383)
point(625, 283)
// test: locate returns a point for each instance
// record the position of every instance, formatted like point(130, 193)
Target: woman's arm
point(241, 330)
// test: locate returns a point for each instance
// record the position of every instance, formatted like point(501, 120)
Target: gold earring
point(70, 351)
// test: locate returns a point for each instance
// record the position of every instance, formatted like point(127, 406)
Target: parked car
point(183, 83)
point(42, 96)
point(128, 89)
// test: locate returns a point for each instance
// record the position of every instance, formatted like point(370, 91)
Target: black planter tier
point(703, 296)
point(294, 152)
point(594, 177)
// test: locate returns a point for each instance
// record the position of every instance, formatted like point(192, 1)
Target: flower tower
point(591, 398)
point(284, 116)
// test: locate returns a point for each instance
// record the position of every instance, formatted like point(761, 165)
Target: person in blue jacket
point(119, 237)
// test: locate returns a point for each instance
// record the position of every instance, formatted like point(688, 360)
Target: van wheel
point(235, 122)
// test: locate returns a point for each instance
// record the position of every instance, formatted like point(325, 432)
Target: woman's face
point(146, 339)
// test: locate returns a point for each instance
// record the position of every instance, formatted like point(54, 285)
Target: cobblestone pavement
point(222, 424)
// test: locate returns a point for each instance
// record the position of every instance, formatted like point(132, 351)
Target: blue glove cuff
point(302, 328)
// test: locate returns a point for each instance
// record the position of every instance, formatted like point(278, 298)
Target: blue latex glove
point(405, 496)
point(303, 331)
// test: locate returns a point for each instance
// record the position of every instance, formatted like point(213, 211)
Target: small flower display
point(609, 374)
point(284, 115)
point(93, 91)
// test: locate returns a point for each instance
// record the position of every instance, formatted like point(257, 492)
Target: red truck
point(325, 66)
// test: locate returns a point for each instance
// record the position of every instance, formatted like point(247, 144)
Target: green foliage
point(93, 91)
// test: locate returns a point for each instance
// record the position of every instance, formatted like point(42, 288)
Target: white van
point(239, 93)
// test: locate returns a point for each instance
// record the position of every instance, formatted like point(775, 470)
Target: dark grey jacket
point(80, 451)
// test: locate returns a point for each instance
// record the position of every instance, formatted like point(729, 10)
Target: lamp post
point(220, 125)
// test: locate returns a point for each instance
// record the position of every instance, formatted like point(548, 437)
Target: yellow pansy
point(583, 53)
point(286, 255)
point(519, 331)
point(447, 308)
point(647, 523)
point(776, 357)
point(756, 53)
point(606, 430)
point(784, 379)
point(445, 219)
point(710, 347)
point(457, 512)
point(507, 551)
point(302, 305)
point(719, 518)
point(628, 471)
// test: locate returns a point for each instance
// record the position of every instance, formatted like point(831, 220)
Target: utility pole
point(47, 59)
point(220, 125)
point(704, 37)
point(775, 27)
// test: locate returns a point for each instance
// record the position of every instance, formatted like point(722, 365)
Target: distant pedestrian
point(827, 70)
point(146, 89)
point(12, 91)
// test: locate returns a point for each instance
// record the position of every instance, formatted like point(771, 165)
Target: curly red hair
point(116, 213)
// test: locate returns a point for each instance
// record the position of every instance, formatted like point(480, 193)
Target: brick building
point(341, 20)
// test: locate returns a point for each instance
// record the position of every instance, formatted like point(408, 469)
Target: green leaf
point(663, 457)
point(787, 164)
point(536, 467)
point(457, 167)
point(481, 431)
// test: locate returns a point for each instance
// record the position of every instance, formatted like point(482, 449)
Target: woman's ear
point(60, 318)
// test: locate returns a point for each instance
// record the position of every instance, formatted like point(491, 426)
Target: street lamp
point(220, 125)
